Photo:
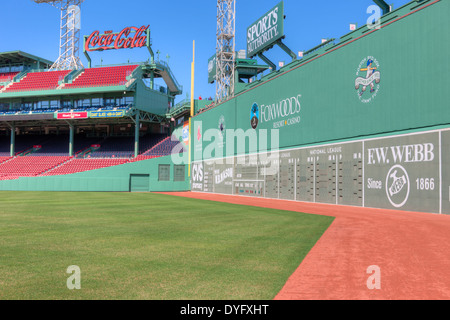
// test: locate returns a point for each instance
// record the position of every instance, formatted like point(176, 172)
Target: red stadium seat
point(104, 76)
point(38, 81)
point(80, 165)
point(29, 166)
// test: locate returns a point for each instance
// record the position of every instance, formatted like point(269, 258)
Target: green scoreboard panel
point(246, 181)
point(350, 173)
point(223, 176)
point(270, 172)
point(287, 169)
point(305, 176)
point(208, 176)
point(409, 172)
point(325, 178)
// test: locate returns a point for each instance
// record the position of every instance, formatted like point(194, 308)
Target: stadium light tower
point(225, 49)
point(69, 43)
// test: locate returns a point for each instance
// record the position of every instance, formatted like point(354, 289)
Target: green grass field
point(147, 246)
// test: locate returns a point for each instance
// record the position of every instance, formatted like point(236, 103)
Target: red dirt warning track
point(411, 249)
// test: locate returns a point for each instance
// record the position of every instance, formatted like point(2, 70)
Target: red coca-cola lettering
point(121, 40)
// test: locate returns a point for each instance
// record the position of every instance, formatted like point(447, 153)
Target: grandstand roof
point(16, 57)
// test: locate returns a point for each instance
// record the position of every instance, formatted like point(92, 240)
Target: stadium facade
point(103, 128)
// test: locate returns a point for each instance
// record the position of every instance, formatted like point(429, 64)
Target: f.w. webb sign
point(265, 31)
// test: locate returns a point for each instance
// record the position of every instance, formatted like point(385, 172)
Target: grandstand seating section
point(23, 143)
point(113, 147)
point(80, 165)
point(7, 76)
point(53, 157)
point(29, 166)
point(47, 80)
point(165, 147)
point(4, 157)
point(38, 81)
point(103, 76)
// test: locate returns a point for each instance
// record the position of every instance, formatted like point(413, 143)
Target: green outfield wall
point(315, 100)
point(159, 174)
point(361, 121)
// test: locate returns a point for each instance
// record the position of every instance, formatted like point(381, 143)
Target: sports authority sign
point(128, 38)
point(265, 31)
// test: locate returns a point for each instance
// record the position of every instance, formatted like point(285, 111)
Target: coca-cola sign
point(128, 38)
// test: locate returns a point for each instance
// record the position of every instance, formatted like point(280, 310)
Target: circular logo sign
point(397, 186)
point(367, 83)
point(254, 116)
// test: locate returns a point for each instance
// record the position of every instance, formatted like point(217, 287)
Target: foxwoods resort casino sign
point(282, 113)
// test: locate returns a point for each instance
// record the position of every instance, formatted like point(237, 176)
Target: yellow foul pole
point(192, 104)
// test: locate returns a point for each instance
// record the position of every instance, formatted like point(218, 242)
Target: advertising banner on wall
point(403, 172)
point(71, 115)
point(265, 31)
point(185, 133)
point(106, 114)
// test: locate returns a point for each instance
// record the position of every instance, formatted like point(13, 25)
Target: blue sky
point(174, 24)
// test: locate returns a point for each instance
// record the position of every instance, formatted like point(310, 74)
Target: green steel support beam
point(13, 140)
point(287, 50)
point(71, 140)
point(383, 5)
point(85, 53)
point(88, 59)
point(149, 47)
point(266, 60)
point(152, 79)
point(136, 134)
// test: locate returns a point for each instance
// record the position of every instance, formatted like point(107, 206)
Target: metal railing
point(169, 71)
point(30, 110)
